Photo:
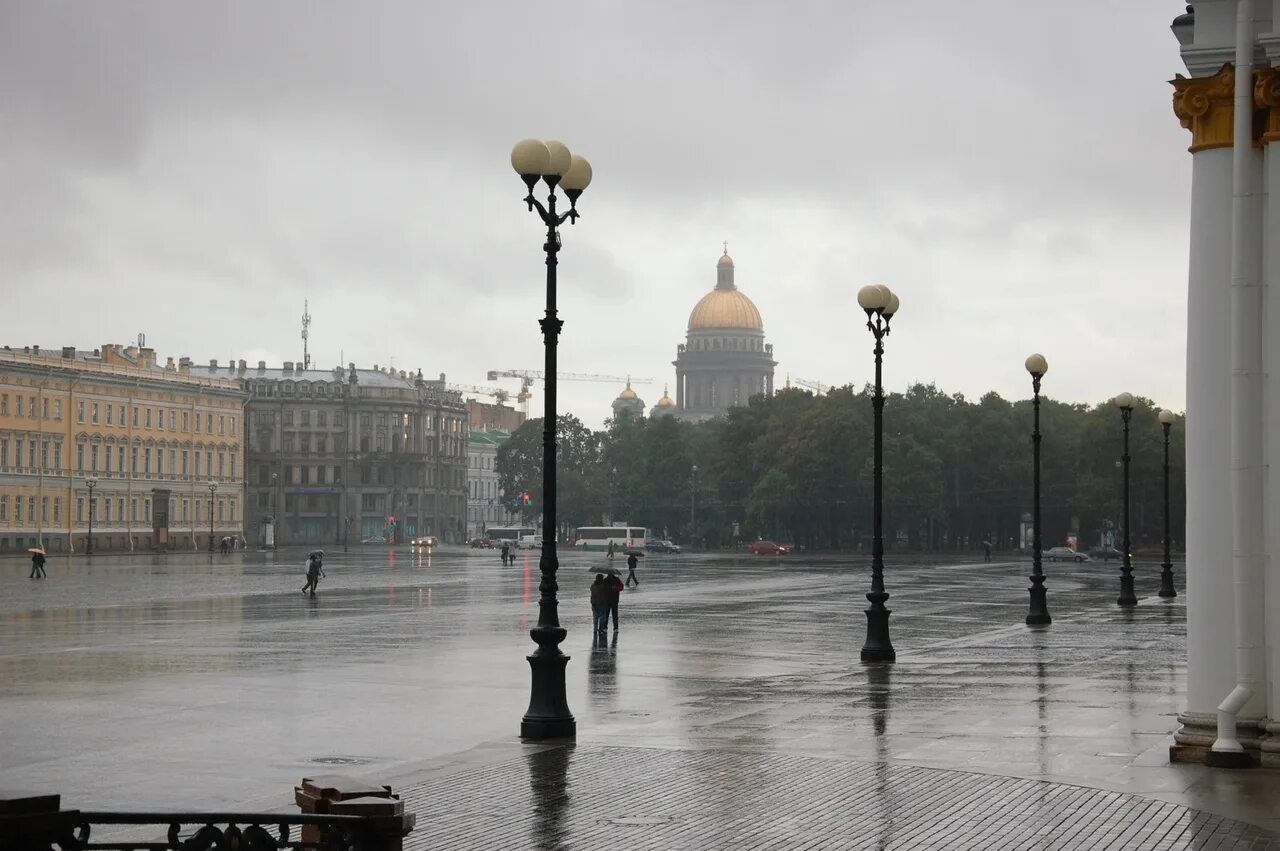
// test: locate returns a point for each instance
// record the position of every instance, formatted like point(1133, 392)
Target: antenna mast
point(306, 323)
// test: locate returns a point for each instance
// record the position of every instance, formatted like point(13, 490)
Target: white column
point(1211, 667)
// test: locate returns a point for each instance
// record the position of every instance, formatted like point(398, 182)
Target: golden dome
point(723, 308)
point(628, 393)
point(666, 401)
point(725, 259)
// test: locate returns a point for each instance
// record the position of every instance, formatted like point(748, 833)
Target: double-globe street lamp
point(548, 716)
point(1127, 598)
point(1167, 419)
point(91, 482)
point(1038, 614)
point(213, 487)
point(881, 305)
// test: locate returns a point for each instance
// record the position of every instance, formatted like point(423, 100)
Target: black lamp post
point(1125, 403)
point(1167, 418)
point(693, 503)
point(90, 483)
point(213, 486)
point(1038, 614)
point(275, 498)
point(880, 304)
point(548, 715)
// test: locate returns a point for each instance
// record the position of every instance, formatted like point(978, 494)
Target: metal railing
point(72, 830)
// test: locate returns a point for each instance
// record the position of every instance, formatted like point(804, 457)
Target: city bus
point(599, 537)
point(498, 535)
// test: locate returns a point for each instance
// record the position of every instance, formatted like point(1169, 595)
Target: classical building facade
point(629, 401)
point(486, 504)
point(724, 360)
point(664, 407)
point(346, 455)
point(152, 454)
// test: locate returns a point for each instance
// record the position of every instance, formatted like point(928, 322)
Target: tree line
point(797, 467)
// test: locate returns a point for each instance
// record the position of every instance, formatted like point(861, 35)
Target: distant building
point(724, 360)
point(150, 439)
point(628, 400)
point(349, 455)
point(483, 416)
point(486, 504)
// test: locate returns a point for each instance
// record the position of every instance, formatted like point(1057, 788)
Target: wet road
point(190, 680)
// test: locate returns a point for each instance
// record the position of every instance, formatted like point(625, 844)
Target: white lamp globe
point(1124, 400)
point(872, 297)
point(1037, 365)
point(1167, 417)
point(578, 175)
point(560, 158)
point(530, 157)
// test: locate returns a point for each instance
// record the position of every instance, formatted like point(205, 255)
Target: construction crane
point(499, 394)
point(817, 386)
point(528, 376)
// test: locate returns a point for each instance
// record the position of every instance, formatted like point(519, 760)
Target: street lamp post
point(1038, 614)
point(881, 305)
point(275, 496)
point(548, 715)
point(1167, 418)
point(693, 503)
point(1125, 403)
point(90, 483)
point(213, 487)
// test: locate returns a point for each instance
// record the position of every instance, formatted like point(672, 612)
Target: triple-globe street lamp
point(1127, 598)
point(880, 305)
point(1167, 419)
point(213, 487)
point(548, 716)
point(1038, 614)
point(91, 482)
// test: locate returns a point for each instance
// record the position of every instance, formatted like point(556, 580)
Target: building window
point(184, 472)
point(79, 509)
point(146, 461)
point(222, 425)
point(148, 418)
point(288, 417)
point(120, 461)
point(93, 456)
point(172, 417)
point(4, 509)
point(304, 417)
point(234, 469)
point(232, 514)
point(186, 509)
point(135, 416)
point(337, 475)
point(95, 413)
point(319, 475)
point(57, 509)
point(233, 431)
point(133, 510)
point(186, 426)
point(44, 509)
point(57, 456)
point(208, 463)
point(17, 507)
point(173, 457)
point(159, 419)
point(305, 472)
point(322, 418)
point(221, 458)
point(31, 454)
point(110, 412)
point(44, 408)
point(287, 442)
point(4, 404)
point(209, 423)
point(22, 405)
point(146, 510)
point(106, 511)
point(79, 411)
point(44, 455)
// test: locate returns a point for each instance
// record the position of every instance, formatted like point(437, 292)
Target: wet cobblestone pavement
point(732, 694)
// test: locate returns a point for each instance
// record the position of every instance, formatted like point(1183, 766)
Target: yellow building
point(150, 455)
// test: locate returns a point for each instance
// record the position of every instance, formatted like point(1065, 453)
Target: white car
point(424, 542)
point(1064, 553)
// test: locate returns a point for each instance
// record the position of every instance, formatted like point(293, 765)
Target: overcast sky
point(1011, 168)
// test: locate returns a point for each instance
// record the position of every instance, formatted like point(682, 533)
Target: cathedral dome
point(628, 393)
point(725, 309)
point(725, 306)
point(666, 401)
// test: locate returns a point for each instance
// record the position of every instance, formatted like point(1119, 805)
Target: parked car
point(1105, 553)
point(661, 545)
point(481, 544)
point(1064, 553)
point(529, 542)
point(374, 540)
point(768, 548)
point(423, 542)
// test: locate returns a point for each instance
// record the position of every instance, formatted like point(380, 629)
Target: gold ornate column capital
point(1266, 97)
point(1204, 105)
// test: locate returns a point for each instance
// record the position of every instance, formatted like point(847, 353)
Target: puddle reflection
point(549, 788)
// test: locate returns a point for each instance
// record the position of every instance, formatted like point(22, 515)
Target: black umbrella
point(610, 571)
point(638, 553)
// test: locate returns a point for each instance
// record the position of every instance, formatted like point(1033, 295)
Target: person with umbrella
point(37, 563)
point(599, 604)
point(633, 558)
point(314, 571)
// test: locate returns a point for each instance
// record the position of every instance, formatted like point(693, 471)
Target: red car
point(768, 548)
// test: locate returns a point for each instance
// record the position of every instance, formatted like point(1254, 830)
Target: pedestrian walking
point(37, 566)
point(610, 552)
point(506, 553)
point(599, 604)
point(315, 571)
point(632, 561)
point(615, 591)
point(986, 551)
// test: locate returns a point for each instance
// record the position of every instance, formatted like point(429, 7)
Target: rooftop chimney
point(242, 365)
point(213, 363)
point(68, 351)
point(168, 364)
point(288, 366)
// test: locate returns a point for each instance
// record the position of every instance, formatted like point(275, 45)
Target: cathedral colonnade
point(1233, 448)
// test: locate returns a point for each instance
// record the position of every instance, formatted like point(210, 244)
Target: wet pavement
point(190, 681)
